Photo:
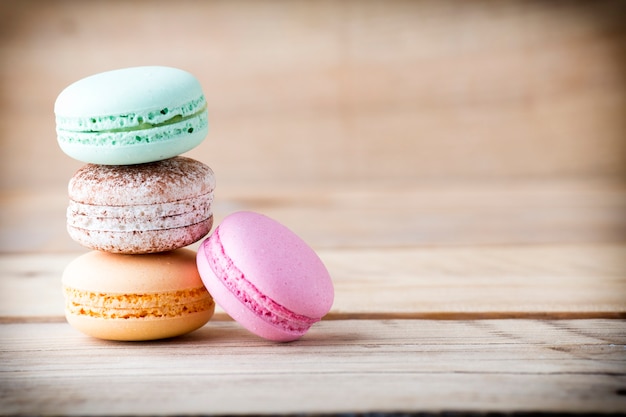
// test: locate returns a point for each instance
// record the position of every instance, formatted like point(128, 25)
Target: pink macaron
point(265, 277)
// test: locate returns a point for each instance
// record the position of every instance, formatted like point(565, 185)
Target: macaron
point(144, 208)
point(131, 116)
point(136, 297)
point(265, 277)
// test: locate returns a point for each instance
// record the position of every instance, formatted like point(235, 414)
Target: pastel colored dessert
point(136, 297)
point(144, 208)
point(265, 277)
point(131, 116)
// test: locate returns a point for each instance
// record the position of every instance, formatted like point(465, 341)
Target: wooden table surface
point(459, 167)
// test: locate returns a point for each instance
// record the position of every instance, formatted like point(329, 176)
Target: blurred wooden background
point(344, 94)
point(340, 91)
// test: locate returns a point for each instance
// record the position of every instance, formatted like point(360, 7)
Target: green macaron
point(131, 116)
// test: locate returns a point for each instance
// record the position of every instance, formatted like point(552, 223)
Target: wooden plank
point(375, 214)
point(553, 281)
point(455, 282)
point(340, 366)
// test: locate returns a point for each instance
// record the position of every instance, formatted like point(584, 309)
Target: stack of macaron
point(137, 203)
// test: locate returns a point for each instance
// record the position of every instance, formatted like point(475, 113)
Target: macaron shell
point(150, 273)
point(127, 90)
point(278, 262)
point(137, 330)
point(156, 182)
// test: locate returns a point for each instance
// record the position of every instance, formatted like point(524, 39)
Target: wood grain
point(568, 281)
point(340, 366)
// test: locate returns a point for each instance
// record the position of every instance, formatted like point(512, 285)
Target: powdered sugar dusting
point(169, 180)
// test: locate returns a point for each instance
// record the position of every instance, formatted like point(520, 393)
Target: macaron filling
point(145, 133)
point(137, 306)
point(133, 120)
point(248, 294)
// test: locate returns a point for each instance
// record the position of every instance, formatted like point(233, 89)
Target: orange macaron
point(136, 297)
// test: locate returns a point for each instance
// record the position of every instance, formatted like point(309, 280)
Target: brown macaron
point(145, 208)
